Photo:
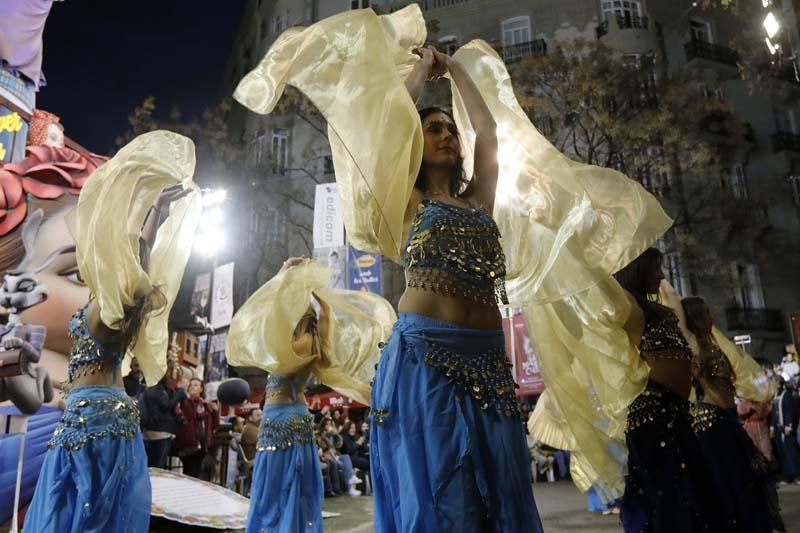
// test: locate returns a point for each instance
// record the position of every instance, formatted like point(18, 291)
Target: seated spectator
point(365, 432)
point(134, 381)
point(250, 434)
point(334, 485)
point(355, 446)
point(331, 433)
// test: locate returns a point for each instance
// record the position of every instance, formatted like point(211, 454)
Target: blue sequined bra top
point(455, 251)
point(87, 355)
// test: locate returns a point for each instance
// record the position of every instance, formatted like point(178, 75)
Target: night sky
point(102, 58)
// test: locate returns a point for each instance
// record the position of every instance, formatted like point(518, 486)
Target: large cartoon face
point(52, 258)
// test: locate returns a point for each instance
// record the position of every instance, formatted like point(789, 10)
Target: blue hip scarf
point(94, 477)
point(286, 494)
point(447, 448)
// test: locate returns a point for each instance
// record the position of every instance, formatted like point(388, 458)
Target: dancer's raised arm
point(484, 181)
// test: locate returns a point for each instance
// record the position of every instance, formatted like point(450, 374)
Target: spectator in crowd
point(755, 418)
point(337, 419)
point(250, 434)
point(784, 433)
point(315, 409)
point(134, 381)
point(790, 369)
point(334, 485)
point(193, 439)
point(365, 432)
point(330, 431)
point(159, 419)
point(355, 446)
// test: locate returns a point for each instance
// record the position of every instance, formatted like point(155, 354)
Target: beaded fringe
point(487, 377)
point(281, 434)
point(72, 433)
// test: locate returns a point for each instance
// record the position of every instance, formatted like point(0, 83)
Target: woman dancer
point(667, 487)
point(727, 448)
point(94, 476)
point(279, 330)
point(447, 352)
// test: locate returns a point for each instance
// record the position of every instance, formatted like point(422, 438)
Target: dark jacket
point(134, 385)
point(352, 448)
point(157, 406)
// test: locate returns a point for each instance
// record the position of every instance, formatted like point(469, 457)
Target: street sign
point(742, 339)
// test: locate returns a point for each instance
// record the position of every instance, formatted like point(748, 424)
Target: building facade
point(758, 288)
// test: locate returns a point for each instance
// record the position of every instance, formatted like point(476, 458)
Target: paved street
point(562, 507)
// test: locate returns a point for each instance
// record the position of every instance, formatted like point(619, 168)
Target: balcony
point(784, 140)
point(629, 22)
point(517, 52)
point(754, 320)
point(711, 52)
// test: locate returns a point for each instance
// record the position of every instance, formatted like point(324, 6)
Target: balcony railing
point(784, 140)
point(712, 52)
point(754, 319)
point(517, 52)
point(436, 4)
point(627, 22)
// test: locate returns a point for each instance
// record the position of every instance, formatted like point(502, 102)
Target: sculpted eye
point(74, 276)
point(26, 285)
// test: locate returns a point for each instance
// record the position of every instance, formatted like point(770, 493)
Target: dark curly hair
point(459, 183)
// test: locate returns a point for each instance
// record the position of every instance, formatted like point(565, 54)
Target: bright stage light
point(771, 25)
point(209, 242)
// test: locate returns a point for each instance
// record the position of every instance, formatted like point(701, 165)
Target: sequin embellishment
point(86, 356)
point(662, 337)
point(654, 405)
point(455, 251)
point(715, 368)
point(89, 419)
point(281, 434)
point(705, 416)
point(487, 377)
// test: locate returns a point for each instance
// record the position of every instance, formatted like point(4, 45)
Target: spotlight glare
point(771, 25)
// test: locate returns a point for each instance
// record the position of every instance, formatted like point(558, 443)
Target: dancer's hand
point(444, 62)
point(171, 194)
point(292, 261)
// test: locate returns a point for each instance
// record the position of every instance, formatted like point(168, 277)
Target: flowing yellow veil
point(352, 326)
point(107, 223)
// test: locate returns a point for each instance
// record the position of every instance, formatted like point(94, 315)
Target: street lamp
point(210, 238)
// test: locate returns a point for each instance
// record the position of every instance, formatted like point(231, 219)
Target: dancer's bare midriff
point(451, 309)
point(673, 374)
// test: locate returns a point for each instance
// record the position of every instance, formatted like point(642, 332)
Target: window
point(255, 229)
point(713, 93)
point(359, 4)
point(734, 181)
point(259, 150)
point(747, 289)
point(279, 23)
point(543, 123)
point(516, 30)
point(327, 164)
point(676, 273)
point(621, 8)
point(784, 121)
point(280, 150)
point(700, 30)
point(794, 182)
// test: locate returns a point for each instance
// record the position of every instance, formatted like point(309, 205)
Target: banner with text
point(222, 302)
point(336, 259)
point(328, 221)
point(364, 271)
point(523, 358)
